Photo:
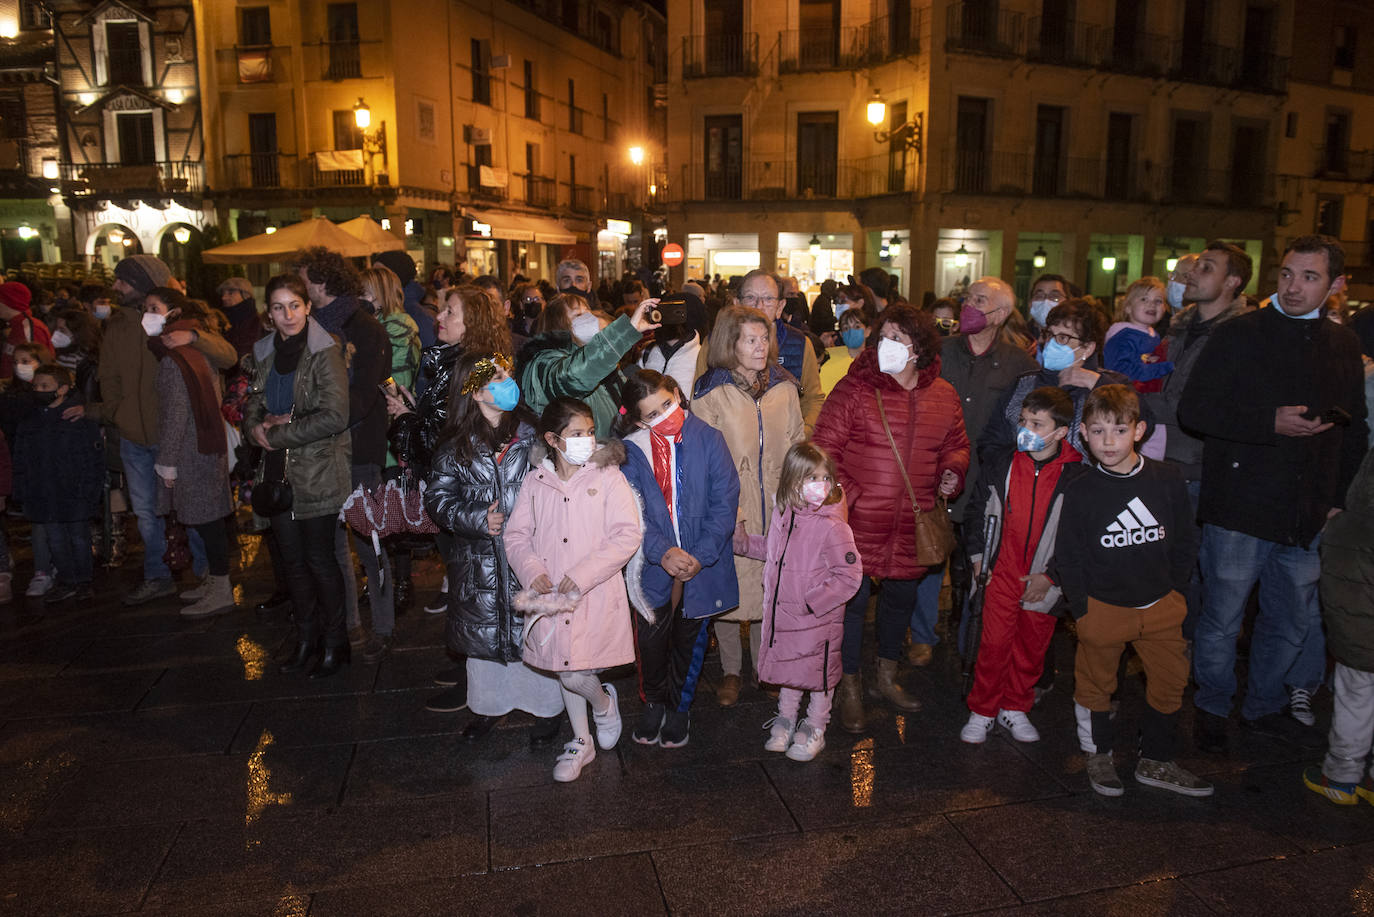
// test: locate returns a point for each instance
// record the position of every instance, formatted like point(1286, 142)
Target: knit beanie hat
point(15, 295)
point(143, 273)
point(236, 283)
point(401, 264)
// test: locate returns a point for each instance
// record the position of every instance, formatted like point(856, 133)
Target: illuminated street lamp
point(362, 115)
point(909, 133)
point(894, 246)
point(637, 155)
point(1039, 258)
point(1109, 262)
point(815, 246)
point(961, 256)
point(182, 234)
point(1172, 261)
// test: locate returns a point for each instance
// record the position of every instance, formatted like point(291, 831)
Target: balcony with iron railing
point(1137, 53)
point(345, 60)
point(720, 55)
point(978, 28)
point(1337, 163)
point(1065, 42)
point(126, 180)
point(812, 50)
point(1067, 178)
point(316, 177)
point(477, 188)
point(889, 38)
point(777, 180)
point(253, 64)
point(540, 191)
point(260, 170)
point(582, 198)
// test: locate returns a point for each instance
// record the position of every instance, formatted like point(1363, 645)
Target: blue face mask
point(1055, 356)
point(1040, 311)
point(853, 337)
point(505, 394)
point(1029, 440)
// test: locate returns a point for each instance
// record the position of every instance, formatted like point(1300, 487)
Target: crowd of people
point(624, 475)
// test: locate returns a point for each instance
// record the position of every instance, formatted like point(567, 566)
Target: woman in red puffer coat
point(900, 369)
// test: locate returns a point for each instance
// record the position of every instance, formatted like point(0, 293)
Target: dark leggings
point(895, 601)
point(216, 538)
point(312, 576)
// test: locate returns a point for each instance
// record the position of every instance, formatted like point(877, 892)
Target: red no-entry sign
point(672, 254)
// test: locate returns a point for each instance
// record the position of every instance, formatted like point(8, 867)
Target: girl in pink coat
point(574, 526)
point(803, 611)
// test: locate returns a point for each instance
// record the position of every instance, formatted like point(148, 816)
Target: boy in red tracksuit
point(1016, 507)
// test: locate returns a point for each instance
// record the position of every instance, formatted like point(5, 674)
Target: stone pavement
point(158, 766)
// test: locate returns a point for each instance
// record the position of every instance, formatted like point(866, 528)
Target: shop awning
point(524, 227)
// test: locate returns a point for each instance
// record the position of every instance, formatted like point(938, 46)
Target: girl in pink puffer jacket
point(803, 611)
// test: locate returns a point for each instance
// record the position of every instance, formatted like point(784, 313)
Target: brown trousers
point(1156, 632)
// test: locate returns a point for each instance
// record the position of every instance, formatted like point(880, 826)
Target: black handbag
point(273, 496)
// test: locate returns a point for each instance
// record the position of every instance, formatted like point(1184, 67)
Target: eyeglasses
point(1053, 297)
point(1068, 340)
point(947, 324)
point(531, 302)
point(755, 301)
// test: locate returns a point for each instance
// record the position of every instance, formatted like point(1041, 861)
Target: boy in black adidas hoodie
point(1127, 544)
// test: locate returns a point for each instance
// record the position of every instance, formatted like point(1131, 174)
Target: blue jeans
point(927, 611)
point(1287, 646)
point(70, 546)
point(142, 483)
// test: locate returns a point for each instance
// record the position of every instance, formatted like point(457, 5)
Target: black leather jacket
point(413, 436)
point(481, 622)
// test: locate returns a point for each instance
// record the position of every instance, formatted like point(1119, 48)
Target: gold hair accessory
point(486, 368)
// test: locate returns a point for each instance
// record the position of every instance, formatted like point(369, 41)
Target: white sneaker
point(440, 603)
point(577, 754)
point(807, 742)
point(608, 723)
point(780, 730)
point(41, 584)
point(975, 731)
point(1015, 722)
point(196, 592)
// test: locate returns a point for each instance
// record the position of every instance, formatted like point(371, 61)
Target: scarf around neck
point(200, 388)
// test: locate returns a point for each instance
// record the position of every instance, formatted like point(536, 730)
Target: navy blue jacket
point(59, 466)
point(707, 490)
point(411, 294)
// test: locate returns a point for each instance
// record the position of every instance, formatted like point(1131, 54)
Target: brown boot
point(727, 695)
point(920, 654)
point(850, 700)
point(891, 690)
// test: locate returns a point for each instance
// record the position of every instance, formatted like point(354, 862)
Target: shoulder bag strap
point(901, 466)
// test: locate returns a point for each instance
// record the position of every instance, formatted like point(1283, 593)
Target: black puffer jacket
point(414, 435)
point(481, 622)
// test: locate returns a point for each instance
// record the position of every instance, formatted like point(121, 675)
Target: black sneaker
point(375, 649)
point(60, 593)
point(1209, 732)
point(450, 701)
point(1286, 729)
point(676, 725)
point(650, 724)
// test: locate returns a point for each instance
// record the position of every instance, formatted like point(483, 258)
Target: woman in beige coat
point(755, 404)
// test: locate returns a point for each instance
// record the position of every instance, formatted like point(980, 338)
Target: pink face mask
point(815, 492)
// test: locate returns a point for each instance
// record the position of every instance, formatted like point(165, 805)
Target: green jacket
point(553, 365)
point(316, 438)
point(1347, 585)
point(128, 375)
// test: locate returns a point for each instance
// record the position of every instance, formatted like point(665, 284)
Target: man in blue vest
point(761, 290)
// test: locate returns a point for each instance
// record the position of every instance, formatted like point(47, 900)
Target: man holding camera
point(1277, 396)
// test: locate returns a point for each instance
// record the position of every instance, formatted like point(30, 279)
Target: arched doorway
point(112, 243)
point(179, 246)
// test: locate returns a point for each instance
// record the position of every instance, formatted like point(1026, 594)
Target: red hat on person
point(15, 295)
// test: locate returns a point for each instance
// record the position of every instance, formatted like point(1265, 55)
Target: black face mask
point(43, 399)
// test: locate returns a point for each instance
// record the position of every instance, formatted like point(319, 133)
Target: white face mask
point(585, 327)
point(580, 449)
point(893, 356)
point(153, 323)
point(61, 339)
point(1174, 294)
point(102, 312)
point(24, 371)
point(1040, 311)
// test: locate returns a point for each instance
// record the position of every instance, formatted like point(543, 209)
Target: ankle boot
point(891, 690)
point(301, 657)
point(851, 703)
point(333, 659)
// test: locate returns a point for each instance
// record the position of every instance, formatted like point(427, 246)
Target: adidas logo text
point(1134, 525)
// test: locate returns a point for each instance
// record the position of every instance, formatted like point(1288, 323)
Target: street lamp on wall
point(374, 141)
point(637, 155)
point(909, 133)
point(1039, 258)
